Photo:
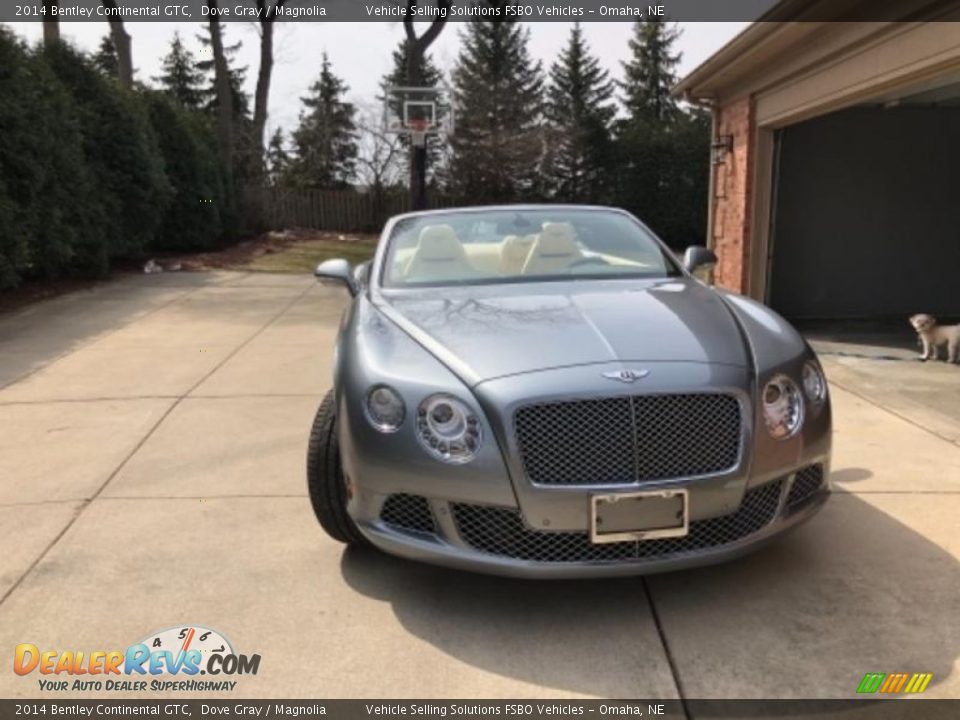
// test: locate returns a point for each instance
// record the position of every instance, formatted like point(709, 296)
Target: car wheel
point(325, 481)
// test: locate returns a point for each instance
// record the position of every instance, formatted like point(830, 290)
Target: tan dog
point(932, 336)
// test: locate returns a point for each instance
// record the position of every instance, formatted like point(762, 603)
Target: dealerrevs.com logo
point(169, 660)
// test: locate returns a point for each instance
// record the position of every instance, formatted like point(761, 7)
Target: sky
point(360, 53)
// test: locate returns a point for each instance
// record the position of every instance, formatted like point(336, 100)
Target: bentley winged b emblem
point(627, 376)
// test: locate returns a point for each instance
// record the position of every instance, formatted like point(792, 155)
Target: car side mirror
point(337, 272)
point(699, 260)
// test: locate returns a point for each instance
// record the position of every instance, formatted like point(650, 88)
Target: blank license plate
point(639, 515)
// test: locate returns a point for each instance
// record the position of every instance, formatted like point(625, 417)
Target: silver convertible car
point(546, 391)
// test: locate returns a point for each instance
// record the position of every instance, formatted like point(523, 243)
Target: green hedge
point(188, 145)
point(90, 173)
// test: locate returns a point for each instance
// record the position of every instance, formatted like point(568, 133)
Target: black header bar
point(465, 10)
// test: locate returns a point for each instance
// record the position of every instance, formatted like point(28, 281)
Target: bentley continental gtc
point(547, 391)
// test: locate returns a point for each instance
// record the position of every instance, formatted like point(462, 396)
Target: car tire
point(325, 481)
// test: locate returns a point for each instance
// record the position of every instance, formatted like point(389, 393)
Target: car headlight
point(782, 407)
point(814, 383)
point(448, 429)
point(385, 408)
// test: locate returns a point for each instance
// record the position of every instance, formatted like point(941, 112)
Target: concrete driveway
point(152, 440)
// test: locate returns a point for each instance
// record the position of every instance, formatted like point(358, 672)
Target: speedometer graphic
point(185, 638)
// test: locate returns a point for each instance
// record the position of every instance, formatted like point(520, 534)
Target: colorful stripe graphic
point(894, 683)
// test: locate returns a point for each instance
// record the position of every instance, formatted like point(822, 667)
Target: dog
point(932, 336)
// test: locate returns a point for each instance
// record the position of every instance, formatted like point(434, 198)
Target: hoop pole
point(418, 176)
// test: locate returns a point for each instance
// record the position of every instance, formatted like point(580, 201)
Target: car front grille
point(628, 439)
point(501, 532)
point(806, 483)
point(408, 513)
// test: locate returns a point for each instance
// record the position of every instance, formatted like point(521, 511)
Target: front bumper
point(498, 540)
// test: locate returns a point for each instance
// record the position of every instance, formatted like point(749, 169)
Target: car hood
point(485, 332)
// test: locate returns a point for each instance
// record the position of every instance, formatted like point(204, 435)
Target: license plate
point(644, 515)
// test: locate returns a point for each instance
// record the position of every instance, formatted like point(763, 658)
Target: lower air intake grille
point(500, 531)
point(806, 483)
point(410, 513)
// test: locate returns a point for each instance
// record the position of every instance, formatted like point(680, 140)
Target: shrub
point(49, 209)
point(121, 151)
point(193, 220)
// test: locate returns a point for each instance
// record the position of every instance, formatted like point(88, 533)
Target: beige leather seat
point(554, 250)
point(514, 253)
point(438, 256)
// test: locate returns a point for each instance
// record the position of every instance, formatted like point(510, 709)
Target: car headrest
point(557, 240)
point(439, 242)
point(516, 247)
point(514, 253)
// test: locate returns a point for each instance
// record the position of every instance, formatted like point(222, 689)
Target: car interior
point(483, 251)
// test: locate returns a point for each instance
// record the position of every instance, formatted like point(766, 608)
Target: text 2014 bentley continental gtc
point(545, 391)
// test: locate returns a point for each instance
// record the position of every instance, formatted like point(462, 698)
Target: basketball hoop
point(418, 111)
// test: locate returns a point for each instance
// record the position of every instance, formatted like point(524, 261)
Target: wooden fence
point(340, 210)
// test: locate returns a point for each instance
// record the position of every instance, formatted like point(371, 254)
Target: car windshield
point(521, 245)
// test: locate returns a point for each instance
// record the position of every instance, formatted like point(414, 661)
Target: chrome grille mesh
point(410, 513)
point(805, 484)
point(628, 439)
point(501, 532)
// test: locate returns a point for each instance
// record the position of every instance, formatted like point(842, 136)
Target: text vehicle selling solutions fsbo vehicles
point(546, 391)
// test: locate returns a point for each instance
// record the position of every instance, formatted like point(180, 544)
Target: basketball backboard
point(418, 111)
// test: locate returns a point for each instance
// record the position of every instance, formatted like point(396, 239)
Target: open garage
point(836, 163)
point(866, 221)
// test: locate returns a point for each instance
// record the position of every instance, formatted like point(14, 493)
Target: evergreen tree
point(237, 75)
point(579, 108)
point(686, 179)
point(242, 122)
point(650, 74)
point(121, 151)
point(50, 208)
point(181, 78)
point(662, 149)
point(325, 144)
point(278, 159)
point(194, 220)
point(428, 74)
point(106, 57)
point(498, 150)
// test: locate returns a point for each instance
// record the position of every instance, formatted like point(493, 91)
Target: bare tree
point(121, 42)
point(267, 10)
point(379, 152)
point(51, 23)
point(221, 73)
point(416, 49)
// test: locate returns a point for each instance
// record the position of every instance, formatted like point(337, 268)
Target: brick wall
point(733, 180)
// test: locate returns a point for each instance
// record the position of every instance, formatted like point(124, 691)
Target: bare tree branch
point(379, 152)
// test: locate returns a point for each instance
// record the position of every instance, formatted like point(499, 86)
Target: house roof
point(783, 26)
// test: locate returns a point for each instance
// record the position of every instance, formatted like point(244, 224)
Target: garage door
point(866, 212)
